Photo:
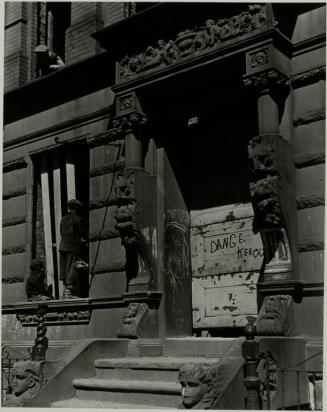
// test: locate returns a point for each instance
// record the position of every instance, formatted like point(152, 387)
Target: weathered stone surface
point(105, 155)
point(310, 137)
point(311, 266)
point(14, 181)
point(14, 208)
point(310, 24)
point(14, 265)
point(309, 103)
point(310, 180)
point(304, 202)
point(309, 159)
point(14, 236)
point(302, 317)
point(108, 284)
point(311, 224)
point(110, 253)
point(309, 60)
point(309, 77)
point(307, 245)
point(102, 222)
point(12, 293)
point(74, 109)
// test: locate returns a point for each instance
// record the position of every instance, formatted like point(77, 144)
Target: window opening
point(60, 175)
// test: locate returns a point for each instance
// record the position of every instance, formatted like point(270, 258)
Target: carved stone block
point(133, 321)
point(272, 319)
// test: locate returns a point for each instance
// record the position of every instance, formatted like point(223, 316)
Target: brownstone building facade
point(198, 149)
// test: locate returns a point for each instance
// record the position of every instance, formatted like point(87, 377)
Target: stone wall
point(308, 66)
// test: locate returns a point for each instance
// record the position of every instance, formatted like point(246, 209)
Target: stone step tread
point(89, 403)
point(127, 385)
point(150, 362)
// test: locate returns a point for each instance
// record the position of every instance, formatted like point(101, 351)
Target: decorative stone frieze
point(194, 42)
point(55, 318)
point(272, 318)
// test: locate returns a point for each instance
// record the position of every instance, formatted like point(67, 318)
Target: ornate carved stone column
point(136, 213)
point(272, 173)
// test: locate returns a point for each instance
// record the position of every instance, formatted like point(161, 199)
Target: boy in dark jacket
point(72, 248)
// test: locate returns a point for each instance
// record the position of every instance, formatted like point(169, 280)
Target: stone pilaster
point(272, 172)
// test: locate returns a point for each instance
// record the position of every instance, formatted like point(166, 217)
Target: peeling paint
point(230, 308)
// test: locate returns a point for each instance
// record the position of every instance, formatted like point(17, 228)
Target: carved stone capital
point(130, 122)
point(266, 80)
point(272, 318)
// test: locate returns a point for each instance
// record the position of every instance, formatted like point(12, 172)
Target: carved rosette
point(272, 319)
point(192, 42)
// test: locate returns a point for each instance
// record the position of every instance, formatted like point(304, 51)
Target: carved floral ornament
point(198, 40)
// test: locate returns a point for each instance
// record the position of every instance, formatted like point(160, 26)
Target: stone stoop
point(147, 377)
point(132, 383)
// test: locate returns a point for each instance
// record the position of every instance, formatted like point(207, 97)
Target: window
point(52, 22)
point(60, 175)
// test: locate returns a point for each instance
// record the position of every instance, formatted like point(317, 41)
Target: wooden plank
point(47, 221)
point(70, 174)
point(224, 301)
point(57, 212)
point(226, 247)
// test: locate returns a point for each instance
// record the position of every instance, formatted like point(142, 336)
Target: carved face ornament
point(22, 380)
point(193, 391)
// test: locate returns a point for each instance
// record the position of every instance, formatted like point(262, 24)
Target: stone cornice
point(296, 288)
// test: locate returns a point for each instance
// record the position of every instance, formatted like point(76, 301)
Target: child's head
point(37, 265)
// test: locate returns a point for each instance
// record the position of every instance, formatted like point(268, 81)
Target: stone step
point(165, 394)
point(197, 346)
point(163, 368)
point(84, 403)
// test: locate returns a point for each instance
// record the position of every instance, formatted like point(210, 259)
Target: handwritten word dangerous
point(235, 241)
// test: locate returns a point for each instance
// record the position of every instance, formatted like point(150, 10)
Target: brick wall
point(21, 35)
point(15, 50)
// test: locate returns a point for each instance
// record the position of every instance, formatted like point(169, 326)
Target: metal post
point(250, 350)
point(41, 341)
